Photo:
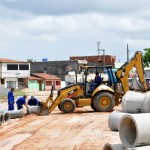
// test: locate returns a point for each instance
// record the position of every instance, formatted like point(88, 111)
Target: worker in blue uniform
point(11, 99)
point(21, 101)
point(33, 102)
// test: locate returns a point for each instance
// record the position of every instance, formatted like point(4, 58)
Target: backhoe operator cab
point(108, 79)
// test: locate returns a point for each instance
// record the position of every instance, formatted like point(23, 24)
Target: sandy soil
point(82, 130)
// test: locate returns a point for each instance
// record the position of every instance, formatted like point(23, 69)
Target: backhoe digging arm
point(123, 72)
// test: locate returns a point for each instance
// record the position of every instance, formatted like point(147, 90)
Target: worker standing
point(21, 101)
point(11, 99)
point(33, 102)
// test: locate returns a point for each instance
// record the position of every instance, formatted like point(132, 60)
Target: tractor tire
point(59, 107)
point(93, 107)
point(67, 105)
point(103, 102)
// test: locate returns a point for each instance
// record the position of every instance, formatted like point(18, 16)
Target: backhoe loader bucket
point(44, 109)
point(45, 105)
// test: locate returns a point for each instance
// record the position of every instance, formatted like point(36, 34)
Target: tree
point(146, 57)
point(30, 60)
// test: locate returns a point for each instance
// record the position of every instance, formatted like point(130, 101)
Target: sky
point(58, 29)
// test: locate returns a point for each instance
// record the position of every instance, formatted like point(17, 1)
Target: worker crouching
point(33, 102)
point(21, 101)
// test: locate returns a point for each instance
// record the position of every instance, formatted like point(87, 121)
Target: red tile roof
point(46, 76)
point(34, 78)
point(4, 60)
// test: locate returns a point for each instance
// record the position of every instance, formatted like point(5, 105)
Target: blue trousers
point(11, 106)
point(93, 86)
point(19, 106)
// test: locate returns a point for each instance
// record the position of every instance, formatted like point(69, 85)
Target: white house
point(14, 73)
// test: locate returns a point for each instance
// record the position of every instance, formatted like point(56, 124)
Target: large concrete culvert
point(134, 130)
point(109, 146)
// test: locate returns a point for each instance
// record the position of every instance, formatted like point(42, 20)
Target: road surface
point(82, 130)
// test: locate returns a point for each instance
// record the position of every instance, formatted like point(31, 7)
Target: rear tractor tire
point(67, 105)
point(103, 102)
point(59, 107)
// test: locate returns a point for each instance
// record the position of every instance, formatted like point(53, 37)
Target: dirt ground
point(82, 130)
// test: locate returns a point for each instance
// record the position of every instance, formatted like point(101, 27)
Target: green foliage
point(146, 57)
point(30, 60)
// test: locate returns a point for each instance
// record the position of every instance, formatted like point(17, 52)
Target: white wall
point(14, 73)
point(14, 80)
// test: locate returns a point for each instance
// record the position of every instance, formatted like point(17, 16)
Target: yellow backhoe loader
point(105, 96)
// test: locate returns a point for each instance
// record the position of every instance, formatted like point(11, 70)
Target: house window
point(2, 81)
point(57, 82)
point(11, 84)
point(23, 66)
point(12, 66)
point(48, 83)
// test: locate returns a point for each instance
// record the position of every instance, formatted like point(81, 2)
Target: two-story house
point(14, 73)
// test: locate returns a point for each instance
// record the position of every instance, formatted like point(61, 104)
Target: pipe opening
point(127, 131)
point(7, 116)
point(1, 119)
point(108, 147)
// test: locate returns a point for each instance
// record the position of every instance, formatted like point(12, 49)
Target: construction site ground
point(82, 130)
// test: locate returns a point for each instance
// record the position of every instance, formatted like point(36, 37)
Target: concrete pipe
point(15, 113)
point(33, 109)
point(139, 148)
point(132, 102)
point(114, 120)
point(108, 146)
point(6, 116)
point(146, 103)
point(36, 110)
point(1, 119)
point(134, 130)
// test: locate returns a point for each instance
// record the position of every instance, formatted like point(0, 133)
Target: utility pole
point(98, 47)
point(127, 53)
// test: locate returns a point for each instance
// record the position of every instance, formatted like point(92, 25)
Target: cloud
point(73, 27)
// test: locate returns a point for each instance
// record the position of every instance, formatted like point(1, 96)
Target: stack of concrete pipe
point(132, 122)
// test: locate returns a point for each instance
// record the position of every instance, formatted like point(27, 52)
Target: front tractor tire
point(103, 102)
point(67, 105)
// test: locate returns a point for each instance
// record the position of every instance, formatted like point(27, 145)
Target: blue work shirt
point(98, 80)
point(33, 102)
point(21, 101)
point(10, 97)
